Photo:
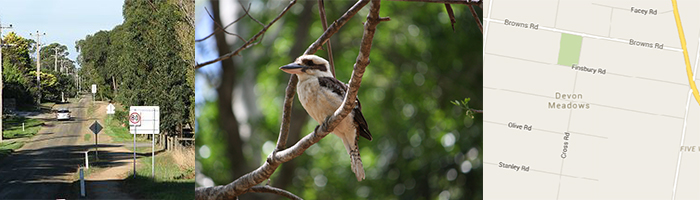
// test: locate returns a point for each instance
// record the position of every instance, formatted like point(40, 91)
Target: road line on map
point(688, 69)
point(680, 154)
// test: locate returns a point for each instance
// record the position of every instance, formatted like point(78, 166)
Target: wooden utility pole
point(55, 59)
point(38, 62)
point(2, 44)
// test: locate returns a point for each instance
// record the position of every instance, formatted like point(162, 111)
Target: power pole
point(2, 44)
point(55, 59)
point(38, 62)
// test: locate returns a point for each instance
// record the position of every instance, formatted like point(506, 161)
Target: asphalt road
point(43, 167)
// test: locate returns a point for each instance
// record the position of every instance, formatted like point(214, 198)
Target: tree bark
point(227, 119)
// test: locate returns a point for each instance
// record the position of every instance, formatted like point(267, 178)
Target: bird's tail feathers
point(356, 164)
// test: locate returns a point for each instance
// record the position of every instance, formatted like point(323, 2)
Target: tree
point(144, 61)
point(18, 70)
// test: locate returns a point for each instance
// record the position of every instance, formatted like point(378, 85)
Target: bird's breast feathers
point(319, 101)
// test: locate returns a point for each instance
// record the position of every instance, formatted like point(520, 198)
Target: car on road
point(63, 114)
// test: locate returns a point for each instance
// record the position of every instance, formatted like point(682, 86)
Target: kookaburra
point(321, 94)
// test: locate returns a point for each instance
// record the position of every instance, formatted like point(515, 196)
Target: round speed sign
point(135, 118)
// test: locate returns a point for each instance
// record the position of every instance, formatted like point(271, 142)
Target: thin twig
point(322, 13)
point(451, 14)
point(464, 2)
point(219, 28)
point(249, 43)
point(476, 18)
point(274, 190)
point(335, 26)
point(476, 111)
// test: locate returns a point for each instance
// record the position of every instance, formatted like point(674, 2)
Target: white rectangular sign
point(144, 119)
point(94, 88)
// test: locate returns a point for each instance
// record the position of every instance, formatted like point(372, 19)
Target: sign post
point(145, 120)
point(94, 90)
point(96, 128)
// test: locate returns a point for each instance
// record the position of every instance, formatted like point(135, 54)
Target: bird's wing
point(340, 88)
point(360, 122)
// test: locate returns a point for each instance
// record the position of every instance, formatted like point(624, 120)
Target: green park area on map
point(569, 49)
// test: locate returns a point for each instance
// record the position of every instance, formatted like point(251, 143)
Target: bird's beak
point(292, 68)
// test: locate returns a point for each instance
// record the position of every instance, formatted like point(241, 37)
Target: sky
point(64, 22)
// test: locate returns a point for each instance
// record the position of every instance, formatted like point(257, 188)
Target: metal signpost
point(94, 90)
point(96, 128)
point(145, 120)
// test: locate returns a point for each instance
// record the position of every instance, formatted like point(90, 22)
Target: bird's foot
point(316, 129)
point(271, 157)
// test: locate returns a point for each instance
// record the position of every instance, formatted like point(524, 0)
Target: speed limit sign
point(135, 119)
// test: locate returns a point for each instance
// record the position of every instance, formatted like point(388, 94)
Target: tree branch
point(273, 190)
point(219, 28)
point(245, 182)
point(249, 42)
point(476, 18)
point(335, 26)
point(322, 14)
point(287, 112)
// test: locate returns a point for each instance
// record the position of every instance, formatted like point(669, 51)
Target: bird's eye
point(308, 63)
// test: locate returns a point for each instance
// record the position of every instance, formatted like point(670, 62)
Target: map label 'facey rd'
point(643, 11)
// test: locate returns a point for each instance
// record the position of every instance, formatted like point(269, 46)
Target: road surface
point(43, 168)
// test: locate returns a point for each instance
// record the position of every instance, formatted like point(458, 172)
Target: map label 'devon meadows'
point(515, 167)
point(524, 127)
point(600, 71)
point(571, 105)
point(521, 24)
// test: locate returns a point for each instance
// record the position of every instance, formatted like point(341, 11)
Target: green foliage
point(119, 133)
point(7, 147)
point(464, 104)
point(171, 182)
point(12, 127)
point(19, 72)
point(143, 61)
point(423, 146)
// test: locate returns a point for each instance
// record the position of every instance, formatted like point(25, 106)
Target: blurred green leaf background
point(424, 147)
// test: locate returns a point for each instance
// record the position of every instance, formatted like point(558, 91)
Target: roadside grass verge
point(91, 109)
point(7, 147)
point(172, 181)
point(87, 137)
point(12, 127)
point(118, 133)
